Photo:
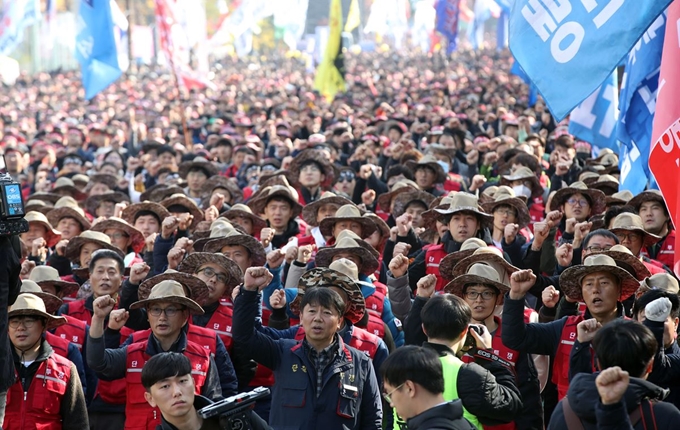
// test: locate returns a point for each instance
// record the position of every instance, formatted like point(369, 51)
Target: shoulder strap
point(573, 422)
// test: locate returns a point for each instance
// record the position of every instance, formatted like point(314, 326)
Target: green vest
point(451, 365)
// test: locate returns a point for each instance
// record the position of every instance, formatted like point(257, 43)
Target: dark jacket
point(349, 397)
point(256, 423)
point(10, 284)
point(448, 416)
point(585, 402)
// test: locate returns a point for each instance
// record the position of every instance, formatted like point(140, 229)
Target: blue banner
point(96, 49)
point(570, 47)
point(533, 91)
point(638, 102)
point(595, 119)
point(16, 16)
point(448, 12)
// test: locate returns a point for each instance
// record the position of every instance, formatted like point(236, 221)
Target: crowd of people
point(425, 251)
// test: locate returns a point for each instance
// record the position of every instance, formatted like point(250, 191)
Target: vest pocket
point(347, 403)
point(47, 398)
point(293, 397)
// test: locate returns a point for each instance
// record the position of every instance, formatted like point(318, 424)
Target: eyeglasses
point(598, 248)
point(388, 396)
point(486, 295)
point(631, 237)
point(169, 312)
point(118, 236)
point(209, 272)
point(310, 168)
point(346, 176)
point(507, 212)
point(581, 202)
point(27, 322)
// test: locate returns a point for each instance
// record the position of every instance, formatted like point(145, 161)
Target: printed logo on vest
point(572, 335)
point(134, 363)
point(216, 326)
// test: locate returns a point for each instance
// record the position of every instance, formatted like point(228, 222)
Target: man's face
point(319, 322)
point(353, 226)
point(597, 244)
point(14, 162)
point(601, 291)
point(278, 213)
point(631, 240)
point(119, 238)
point(106, 209)
point(86, 252)
point(400, 401)
point(463, 225)
point(167, 160)
point(239, 254)
point(653, 216)
point(216, 278)
point(394, 179)
point(482, 308)
point(147, 224)
point(195, 180)
point(166, 319)
point(425, 178)
point(327, 210)
point(173, 396)
point(27, 333)
point(416, 211)
point(351, 257)
point(502, 216)
point(311, 176)
point(99, 188)
point(244, 222)
point(564, 154)
point(35, 231)
point(441, 228)
point(106, 277)
point(576, 206)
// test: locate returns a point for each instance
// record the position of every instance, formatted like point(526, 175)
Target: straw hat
point(620, 198)
point(189, 204)
point(606, 183)
point(49, 276)
point(34, 205)
point(488, 255)
point(450, 261)
point(104, 178)
point(52, 236)
point(310, 211)
point(130, 212)
point(402, 200)
point(160, 192)
point(31, 305)
point(170, 290)
point(350, 213)
point(66, 185)
point(52, 302)
point(588, 177)
point(201, 163)
point(68, 207)
point(231, 237)
point(597, 197)
point(317, 156)
point(343, 274)
point(349, 242)
point(505, 196)
point(431, 162)
point(195, 260)
point(80, 180)
point(570, 279)
point(523, 173)
point(487, 194)
point(647, 196)
point(464, 202)
point(631, 222)
point(626, 260)
point(102, 241)
point(241, 210)
point(215, 182)
point(258, 204)
point(136, 236)
point(379, 223)
point(401, 186)
point(45, 197)
point(93, 202)
point(661, 281)
point(477, 274)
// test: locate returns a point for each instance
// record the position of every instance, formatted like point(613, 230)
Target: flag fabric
point(664, 159)
point(484, 9)
point(330, 75)
point(594, 120)
point(569, 48)
point(290, 19)
point(533, 91)
point(96, 49)
point(353, 17)
point(637, 106)
point(448, 13)
point(503, 23)
point(16, 16)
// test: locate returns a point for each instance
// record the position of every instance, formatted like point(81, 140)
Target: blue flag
point(570, 47)
point(448, 12)
point(595, 119)
point(638, 104)
point(96, 49)
point(533, 91)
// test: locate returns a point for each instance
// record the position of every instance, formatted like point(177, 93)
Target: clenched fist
point(256, 278)
point(103, 305)
point(278, 299)
point(118, 318)
point(587, 329)
point(612, 384)
point(266, 236)
point(399, 265)
point(426, 286)
point(550, 297)
point(520, 283)
point(510, 233)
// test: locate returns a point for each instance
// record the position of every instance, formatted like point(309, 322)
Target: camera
point(470, 341)
point(12, 209)
point(235, 412)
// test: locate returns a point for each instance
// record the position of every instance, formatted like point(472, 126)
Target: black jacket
point(10, 284)
point(585, 402)
point(448, 416)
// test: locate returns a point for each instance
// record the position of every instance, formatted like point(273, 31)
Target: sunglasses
point(346, 176)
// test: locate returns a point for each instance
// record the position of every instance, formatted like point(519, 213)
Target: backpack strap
point(573, 422)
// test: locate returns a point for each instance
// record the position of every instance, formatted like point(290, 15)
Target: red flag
point(664, 159)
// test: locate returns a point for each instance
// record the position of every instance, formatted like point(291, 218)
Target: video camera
point(12, 210)
point(235, 411)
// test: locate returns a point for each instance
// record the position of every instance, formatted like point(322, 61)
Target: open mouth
point(596, 301)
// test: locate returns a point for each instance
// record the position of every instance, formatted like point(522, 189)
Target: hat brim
point(52, 321)
point(607, 187)
point(318, 157)
point(197, 288)
point(402, 200)
point(326, 277)
point(195, 260)
point(136, 236)
point(159, 192)
point(485, 218)
point(310, 211)
point(570, 280)
point(52, 236)
point(536, 187)
point(222, 182)
point(597, 198)
point(130, 212)
point(438, 170)
point(64, 288)
point(72, 191)
point(55, 215)
point(45, 197)
point(369, 261)
point(523, 217)
point(102, 178)
point(385, 199)
point(257, 253)
point(257, 205)
point(368, 227)
point(643, 197)
point(464, 264)
point(72, 251)
point(186, 202)
point(648, 239)
point(193, 307)
point(93, 202)
point(208, 166)
point(635, 264)
point(52, 302)
point(258, 223)
point(457, 286)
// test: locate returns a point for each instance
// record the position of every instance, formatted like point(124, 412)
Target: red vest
point(77, 310)
point(361, 340)
point(138, 413)
point(59, 345)
point(375, 326)
point(560, 375)
point(113, 392)
point(39, 408)
point(376, 301)
point(433, 256)
point(201, 336)
point(74, 331)
point(666, 252)
point(221, 322)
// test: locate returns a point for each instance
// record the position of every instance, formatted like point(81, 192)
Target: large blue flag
point(96, 48)
point(448, 12)
point(638, 104)
point(533, 92)
point(15, 17)
point(569, 47)
point(594, 120)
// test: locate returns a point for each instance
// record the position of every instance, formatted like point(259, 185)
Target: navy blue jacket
point(349, 398)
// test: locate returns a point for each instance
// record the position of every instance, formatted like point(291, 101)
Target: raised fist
point(612, 384)
point(257, 278)
point(520, 283)
point(103, 305)
point(169, 226)
point(587, 329)
point(426, 286)
point(304, 253)
point(266, 236)
point(402, 248)
point(278, 299)
point(399, 265)
point(565, 254)
point(550, 297)
point(175, 257)
point(510, 233)
point(118, 318)
point(275, 258)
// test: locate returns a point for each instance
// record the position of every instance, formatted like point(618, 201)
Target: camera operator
point(166, 377)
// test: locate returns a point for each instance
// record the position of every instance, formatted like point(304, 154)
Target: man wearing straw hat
point(629, 229)
point(651, 207)
point(599, 282)
point(47, 392)
point(40, 237)
point(168, 308)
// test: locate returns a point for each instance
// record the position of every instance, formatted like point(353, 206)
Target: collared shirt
point(321, 360)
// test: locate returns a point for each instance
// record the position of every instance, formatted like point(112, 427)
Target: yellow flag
point(354, 16)
point(330, 75)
